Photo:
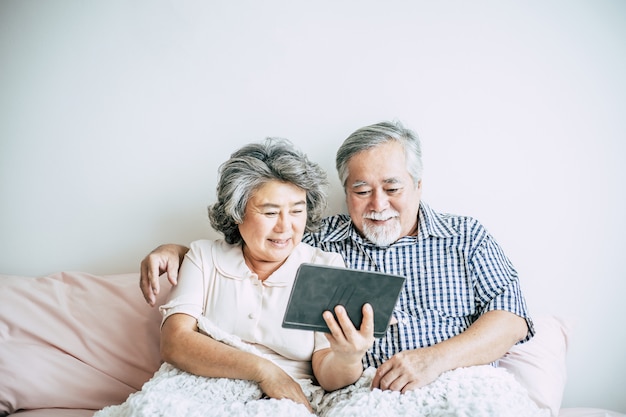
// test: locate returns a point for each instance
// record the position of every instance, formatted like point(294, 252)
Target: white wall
point(114, 116)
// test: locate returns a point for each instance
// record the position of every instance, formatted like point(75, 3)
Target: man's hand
point(485, 341)
point(165, 258)
point(408, 370)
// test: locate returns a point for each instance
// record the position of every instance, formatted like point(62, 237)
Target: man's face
point(381, 197)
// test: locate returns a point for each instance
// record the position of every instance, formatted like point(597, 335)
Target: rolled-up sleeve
point(497, 283)
point(187, 296)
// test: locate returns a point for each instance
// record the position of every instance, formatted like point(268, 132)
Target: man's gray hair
point(255, 164)
point(377, 134)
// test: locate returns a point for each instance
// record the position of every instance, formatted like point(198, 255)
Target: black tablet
point(319, 288)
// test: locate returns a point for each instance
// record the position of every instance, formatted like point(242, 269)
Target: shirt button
point(252, 316)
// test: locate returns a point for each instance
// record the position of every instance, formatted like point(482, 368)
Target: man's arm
point(485, 341)
point(165, 258)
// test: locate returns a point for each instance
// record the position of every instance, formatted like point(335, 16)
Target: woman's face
point(273, 224)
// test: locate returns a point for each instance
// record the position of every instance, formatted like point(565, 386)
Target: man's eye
point(271, 213)
point(362, 192)
point(392, 190)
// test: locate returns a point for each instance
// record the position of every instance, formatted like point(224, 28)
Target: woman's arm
point(340, 365)
point(187, 349)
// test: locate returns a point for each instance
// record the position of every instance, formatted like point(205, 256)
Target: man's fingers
point(153, 275)
point(383, 371)
point(146, 285)
point(411, 386)
point(383, 380)
point(172, 274)
point(149, 279)
point(376, 380)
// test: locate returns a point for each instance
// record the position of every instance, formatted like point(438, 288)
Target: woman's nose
point(282, 223)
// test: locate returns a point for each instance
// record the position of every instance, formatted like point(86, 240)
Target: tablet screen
point(318, 288)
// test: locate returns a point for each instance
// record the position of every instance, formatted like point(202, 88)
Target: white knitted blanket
point(479, 391)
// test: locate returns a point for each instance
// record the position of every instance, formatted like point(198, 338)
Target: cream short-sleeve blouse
point(214, 280)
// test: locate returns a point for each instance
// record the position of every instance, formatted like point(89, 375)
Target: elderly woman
point(268, 194)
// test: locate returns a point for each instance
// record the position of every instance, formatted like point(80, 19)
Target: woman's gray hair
point(255, 164)
point(377, 134)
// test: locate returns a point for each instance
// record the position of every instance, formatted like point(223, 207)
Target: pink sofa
point(72, 343)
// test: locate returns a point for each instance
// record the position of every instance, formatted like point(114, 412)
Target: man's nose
point(378, 201)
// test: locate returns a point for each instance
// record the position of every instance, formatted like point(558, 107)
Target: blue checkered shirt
point(455, 272)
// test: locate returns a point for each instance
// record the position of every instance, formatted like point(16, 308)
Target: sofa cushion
point(540, 364)
point(55, 412)
point(80, 341)
point(75, 340)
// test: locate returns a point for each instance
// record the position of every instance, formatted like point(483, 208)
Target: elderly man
point(461, 304)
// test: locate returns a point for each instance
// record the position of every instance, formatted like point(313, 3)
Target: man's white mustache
point(383, 215)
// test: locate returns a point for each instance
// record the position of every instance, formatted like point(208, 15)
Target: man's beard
point(382, 235)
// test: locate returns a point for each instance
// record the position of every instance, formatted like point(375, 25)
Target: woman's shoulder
point(310, 254)
point(204, 244)
point(201, 246)
point(214, 248)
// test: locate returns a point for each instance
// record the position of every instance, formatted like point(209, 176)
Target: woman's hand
point(187, 349)
point(340, 365)
point(276, 383)
point(348, 343)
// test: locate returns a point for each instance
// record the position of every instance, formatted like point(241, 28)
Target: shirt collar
point(433, 224)
point(339, 228)
point(230, 263)
point(430, 223)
